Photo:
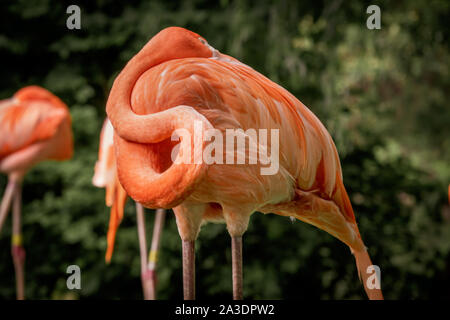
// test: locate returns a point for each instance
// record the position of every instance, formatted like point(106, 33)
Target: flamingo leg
point(148, 275)
point(189, 219)
point(153, 255)
point(6, 201)
point(17, 249)
point(143, 250)
point(236, 257)
point(189, 269)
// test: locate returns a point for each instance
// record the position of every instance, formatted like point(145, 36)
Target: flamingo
point(177, 81)
point(35, 126)
point(106, 176)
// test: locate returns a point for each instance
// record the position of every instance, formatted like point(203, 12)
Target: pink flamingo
point(178, 83)
point(35, 125)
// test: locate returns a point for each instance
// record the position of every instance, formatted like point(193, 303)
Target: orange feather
point(106, 176)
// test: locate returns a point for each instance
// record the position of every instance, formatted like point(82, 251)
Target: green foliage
point(381, 93)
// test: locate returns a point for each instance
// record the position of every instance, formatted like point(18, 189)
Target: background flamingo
point(106, 176)
point(178, 78)
point(35, 126)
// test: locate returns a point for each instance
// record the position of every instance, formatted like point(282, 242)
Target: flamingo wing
point(106, 176)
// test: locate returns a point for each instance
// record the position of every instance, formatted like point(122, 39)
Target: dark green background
point(382, 94)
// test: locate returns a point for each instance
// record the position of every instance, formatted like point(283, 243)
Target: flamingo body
point(35, 125)
point(308, 159)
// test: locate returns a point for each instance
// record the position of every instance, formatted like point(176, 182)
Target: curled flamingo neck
point(136, 174)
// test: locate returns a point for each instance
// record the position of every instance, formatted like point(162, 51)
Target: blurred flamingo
point(178, 80)
point(106, 176)
point(35, 126)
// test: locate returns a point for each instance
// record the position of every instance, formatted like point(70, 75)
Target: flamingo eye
point(203, 41)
